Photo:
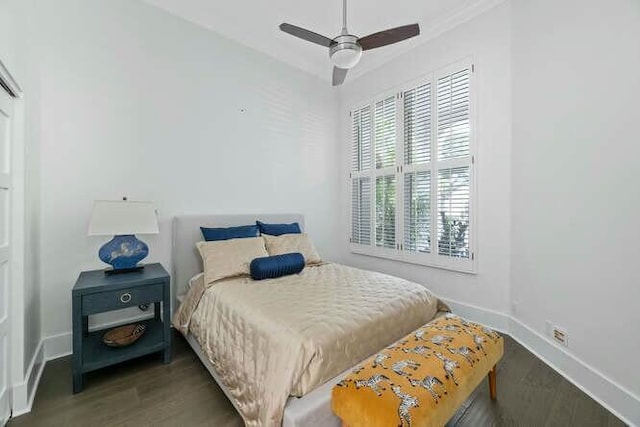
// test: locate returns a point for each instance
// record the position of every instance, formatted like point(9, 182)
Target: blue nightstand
point(95, 292)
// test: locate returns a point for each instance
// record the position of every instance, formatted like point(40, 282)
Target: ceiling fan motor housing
point(345, 52)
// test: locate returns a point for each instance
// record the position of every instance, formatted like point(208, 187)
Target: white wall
point(16, 54)
point(485, 39)
point(137, 102)
point(576, 200)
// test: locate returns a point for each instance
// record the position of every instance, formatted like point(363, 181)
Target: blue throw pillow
point(213, 234)
point(278, 229)
point(276, 266)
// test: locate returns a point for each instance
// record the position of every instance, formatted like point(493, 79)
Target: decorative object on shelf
point(123, 336)
point(123, 219)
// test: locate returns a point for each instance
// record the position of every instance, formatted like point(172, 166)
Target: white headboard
point(186, 261)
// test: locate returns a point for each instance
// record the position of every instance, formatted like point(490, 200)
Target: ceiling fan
point(346, 49)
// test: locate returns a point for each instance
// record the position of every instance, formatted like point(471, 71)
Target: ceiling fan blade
point(339, 74)
point(307, 35)
point(393, 35)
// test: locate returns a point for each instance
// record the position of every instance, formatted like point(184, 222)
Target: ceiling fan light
point(346, 58)
point(345, 52)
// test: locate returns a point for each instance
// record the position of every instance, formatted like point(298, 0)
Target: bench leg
point(492, 383)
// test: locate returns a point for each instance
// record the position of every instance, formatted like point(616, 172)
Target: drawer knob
point(125, 298)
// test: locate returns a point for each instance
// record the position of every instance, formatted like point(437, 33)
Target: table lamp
point(123, 219)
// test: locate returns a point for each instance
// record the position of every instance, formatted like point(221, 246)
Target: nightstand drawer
point(114, 300)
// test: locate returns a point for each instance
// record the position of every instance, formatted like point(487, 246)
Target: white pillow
point(229, 258)
point(287, 243)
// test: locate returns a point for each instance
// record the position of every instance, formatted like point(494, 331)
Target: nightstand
point(95, 292)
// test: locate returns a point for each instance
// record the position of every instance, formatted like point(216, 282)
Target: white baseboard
point(617, 399)
point(57, 346)
point(23, 393)
point(491, 318)
point(5, 406)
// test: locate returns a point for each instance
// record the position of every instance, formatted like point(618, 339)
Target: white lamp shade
point(110, 218)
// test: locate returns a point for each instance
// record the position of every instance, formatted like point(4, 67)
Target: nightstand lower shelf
point(99, 355)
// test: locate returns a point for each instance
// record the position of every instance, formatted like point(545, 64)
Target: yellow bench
point(422, 379)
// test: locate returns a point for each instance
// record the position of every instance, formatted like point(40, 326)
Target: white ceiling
point(254, 23)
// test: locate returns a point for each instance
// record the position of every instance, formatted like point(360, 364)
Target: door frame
point(16, 230)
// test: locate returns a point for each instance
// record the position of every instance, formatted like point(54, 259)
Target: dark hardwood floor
point(145, 392)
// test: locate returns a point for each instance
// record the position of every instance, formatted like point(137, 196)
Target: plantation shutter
point(385, 152)
point(361, 148)
point(417, 125)
point(453, 115)
point(453, 207)
point(454, 178)
point(417, 177)
point(361, 162)
point(361, 211)
point(417, 211)
point(385, 133)
point(412, 173)
point(386, 211)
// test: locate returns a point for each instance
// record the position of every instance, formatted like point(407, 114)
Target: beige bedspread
point(272, 339)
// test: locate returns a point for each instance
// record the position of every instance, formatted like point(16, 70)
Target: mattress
point(272, 339)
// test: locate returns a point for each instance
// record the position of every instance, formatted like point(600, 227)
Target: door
point(6, 104)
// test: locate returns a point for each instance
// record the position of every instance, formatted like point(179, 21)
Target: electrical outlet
point(561, 336)
point(558, 334)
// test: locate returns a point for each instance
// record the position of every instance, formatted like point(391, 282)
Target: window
point(412, 173)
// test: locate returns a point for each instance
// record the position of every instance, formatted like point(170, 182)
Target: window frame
point(400, 169)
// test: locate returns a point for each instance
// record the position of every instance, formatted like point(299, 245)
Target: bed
point(277, 346)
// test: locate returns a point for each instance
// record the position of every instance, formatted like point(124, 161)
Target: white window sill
point(460, 265)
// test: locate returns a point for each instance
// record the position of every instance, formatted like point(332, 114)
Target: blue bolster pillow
point(278, 229)
point(274, 266)
point(243, 231)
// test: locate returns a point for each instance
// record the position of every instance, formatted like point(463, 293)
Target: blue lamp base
point(123, 253)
